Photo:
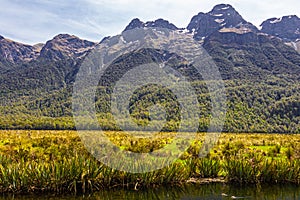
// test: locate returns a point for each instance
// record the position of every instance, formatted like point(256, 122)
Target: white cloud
point(35, 21)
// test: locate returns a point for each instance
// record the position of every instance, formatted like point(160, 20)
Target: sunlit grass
point(57, 161)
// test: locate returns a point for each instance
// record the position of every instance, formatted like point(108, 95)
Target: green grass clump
point(57, 162)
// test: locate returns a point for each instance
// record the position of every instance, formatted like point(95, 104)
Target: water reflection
point(193, 192)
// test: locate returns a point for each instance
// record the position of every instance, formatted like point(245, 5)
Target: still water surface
point(193, 192)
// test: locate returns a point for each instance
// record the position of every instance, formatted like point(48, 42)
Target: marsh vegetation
point(57, 162)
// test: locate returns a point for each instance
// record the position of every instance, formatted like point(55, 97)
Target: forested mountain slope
point(260, 68)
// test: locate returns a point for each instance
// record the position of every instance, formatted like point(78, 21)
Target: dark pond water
point(193, 192)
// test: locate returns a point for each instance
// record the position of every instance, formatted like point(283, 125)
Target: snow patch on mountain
point(276, 20)
point(225, 8)
point(219, 20)
point(218, 15)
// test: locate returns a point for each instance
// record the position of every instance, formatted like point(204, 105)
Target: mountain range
point(260, 67)
point(222, 18)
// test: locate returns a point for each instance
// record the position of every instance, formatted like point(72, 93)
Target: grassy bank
point(56, 161)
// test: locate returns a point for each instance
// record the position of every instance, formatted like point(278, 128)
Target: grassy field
point(57, 161)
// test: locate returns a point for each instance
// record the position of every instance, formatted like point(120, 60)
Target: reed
point(265, 171)
point(206, 168)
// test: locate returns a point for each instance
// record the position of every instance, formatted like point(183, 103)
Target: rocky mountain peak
point(63, 36)
point(161, 23)
point(221, 16)
point(14, 52)
point(228, 14)
point(222, 8)
point(65, 45)
point(286, 27)
point(135, 23)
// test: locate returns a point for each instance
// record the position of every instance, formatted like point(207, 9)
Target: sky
point(36, 21)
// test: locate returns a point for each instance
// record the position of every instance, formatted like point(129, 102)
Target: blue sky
point(34, 21)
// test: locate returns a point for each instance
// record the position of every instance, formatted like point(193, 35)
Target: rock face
point(135, 23)
point(60, 47)
point(221, 16)
point(15, 52)
point(64, 46)
point(161, 23)
point(286, 28)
